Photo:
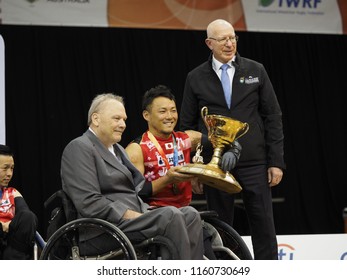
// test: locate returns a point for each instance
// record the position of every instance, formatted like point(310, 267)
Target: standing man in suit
point(249, 98)
point(102, 183)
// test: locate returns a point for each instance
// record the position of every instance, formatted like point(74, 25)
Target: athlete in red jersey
point(161, 150)
point(176, 150)
point(18, 223)
point(7, 206)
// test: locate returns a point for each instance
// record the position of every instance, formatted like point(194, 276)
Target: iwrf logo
point(310, 4)
point(285, 252)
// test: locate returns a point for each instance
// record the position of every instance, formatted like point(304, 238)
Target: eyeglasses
point(224, 40)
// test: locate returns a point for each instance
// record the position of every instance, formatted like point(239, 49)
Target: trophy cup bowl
point(222, 131)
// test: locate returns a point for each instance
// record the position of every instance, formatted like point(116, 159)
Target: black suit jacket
point(253, 101)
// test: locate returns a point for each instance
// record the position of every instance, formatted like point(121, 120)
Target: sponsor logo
point(300, 7)
point(285, 252)
point(299, 3)
point(310, 4)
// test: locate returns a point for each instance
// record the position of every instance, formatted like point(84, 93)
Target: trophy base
point(212, 176)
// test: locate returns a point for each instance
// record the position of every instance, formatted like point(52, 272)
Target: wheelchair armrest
point(50, 199)
point(65, 203)
point(58, 194)
point(208, 214)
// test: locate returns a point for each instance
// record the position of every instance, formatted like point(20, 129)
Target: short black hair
point(157, 91)
point(5, 150)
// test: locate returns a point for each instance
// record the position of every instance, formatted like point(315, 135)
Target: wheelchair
point(72, 238)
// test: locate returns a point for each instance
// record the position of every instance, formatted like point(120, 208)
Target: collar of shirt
point(111, 149)
point(92, 130)
point(216, 67)
point(217, 64)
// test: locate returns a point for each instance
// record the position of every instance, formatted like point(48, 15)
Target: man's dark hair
point(157, 91)
point(5, 150)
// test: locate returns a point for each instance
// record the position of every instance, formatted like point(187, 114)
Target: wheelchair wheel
point(231, 239)
point(67, 242)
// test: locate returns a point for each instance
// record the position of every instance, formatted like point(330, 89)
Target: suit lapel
point(136, 176)
point(108, 156)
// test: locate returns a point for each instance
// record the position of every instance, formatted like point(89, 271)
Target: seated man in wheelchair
point(18, 222)
point(102, 183)
point(160, 149)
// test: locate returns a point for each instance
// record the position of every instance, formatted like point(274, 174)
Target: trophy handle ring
point(204, 112)
point(244, 131)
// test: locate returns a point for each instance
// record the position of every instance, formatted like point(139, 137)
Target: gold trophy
point(222, 131)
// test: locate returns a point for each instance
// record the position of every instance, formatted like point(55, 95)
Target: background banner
point(296, 16)
point(54, 12)
point(313, 16)
point(309, 246)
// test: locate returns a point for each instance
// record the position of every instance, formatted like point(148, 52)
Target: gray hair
point(99, 100)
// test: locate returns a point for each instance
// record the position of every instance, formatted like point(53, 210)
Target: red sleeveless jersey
point(7, 206)
point(155, 167)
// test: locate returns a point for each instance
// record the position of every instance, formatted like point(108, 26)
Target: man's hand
point(197, 187)
point(176, 177)
point(231, 157)
point(172, 177)
point(275, 175)
point(5, 226)
point(130, 214)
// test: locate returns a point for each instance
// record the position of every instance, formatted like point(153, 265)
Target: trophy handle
point(244, 130)
point(204, 112)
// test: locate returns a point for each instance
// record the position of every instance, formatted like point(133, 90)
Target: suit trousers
point(21, 236)
point(182, 226)
point(257, 199)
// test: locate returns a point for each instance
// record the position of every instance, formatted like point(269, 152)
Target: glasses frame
point(233, 39)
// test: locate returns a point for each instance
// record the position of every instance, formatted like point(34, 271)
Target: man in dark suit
point(248, 97)
point(102, 183)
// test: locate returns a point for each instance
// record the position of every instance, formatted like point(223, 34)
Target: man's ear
point(209, 43)
point(95, 119)
point(145, 115)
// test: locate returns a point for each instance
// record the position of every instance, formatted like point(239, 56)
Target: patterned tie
point(226, 83)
